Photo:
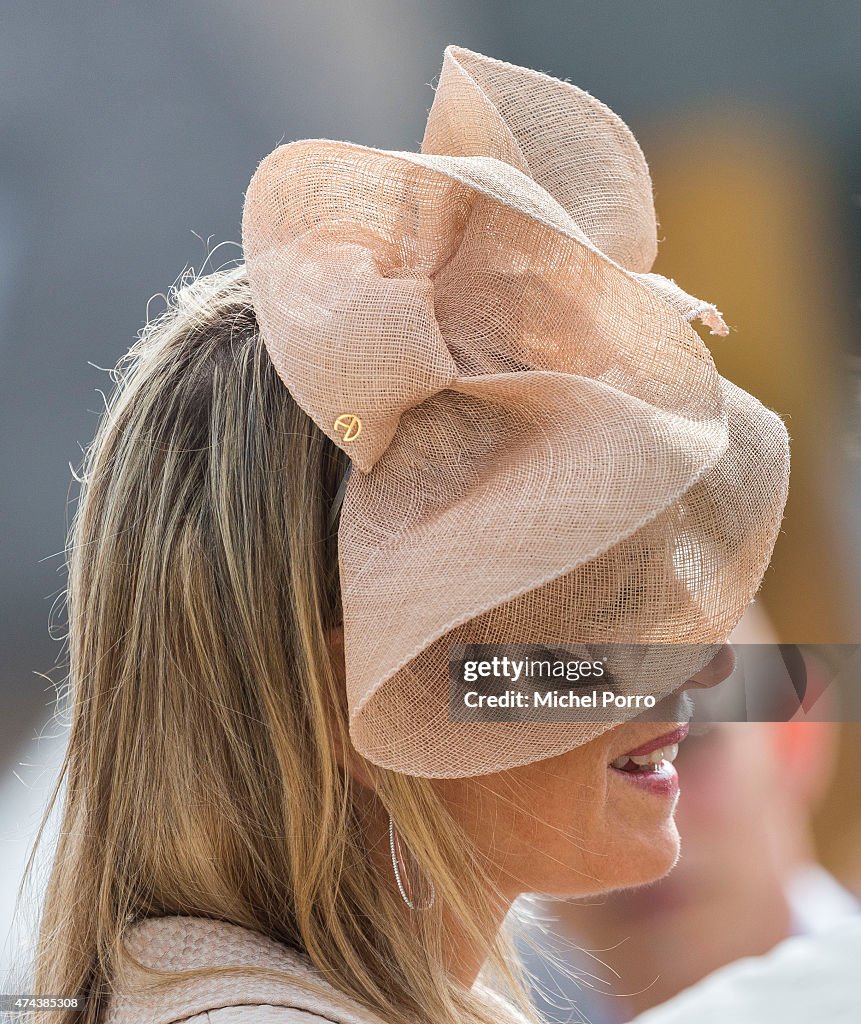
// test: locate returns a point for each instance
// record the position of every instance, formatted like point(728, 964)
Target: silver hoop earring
point(404, 887)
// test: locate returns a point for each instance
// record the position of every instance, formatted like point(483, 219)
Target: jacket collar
point(180, 944)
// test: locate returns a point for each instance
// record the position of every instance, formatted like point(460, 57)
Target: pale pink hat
point(545, 450)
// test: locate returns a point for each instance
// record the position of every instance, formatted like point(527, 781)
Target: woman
point(267, 798)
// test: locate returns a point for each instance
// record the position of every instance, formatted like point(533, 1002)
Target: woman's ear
point(345, 754)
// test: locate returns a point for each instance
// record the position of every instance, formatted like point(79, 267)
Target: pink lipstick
point(650, 765)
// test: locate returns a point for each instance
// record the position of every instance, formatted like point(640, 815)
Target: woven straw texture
point(547, 453)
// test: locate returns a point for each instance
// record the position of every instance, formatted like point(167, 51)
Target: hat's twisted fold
point(547, 451)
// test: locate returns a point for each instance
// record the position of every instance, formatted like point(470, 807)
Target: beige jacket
point(185, 943)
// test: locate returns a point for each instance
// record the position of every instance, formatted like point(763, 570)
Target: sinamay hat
point(542, 449)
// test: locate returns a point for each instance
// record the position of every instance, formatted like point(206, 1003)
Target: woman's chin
point(647, 858)
point(627, 862)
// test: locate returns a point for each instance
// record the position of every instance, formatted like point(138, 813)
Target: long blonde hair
point(201, 775)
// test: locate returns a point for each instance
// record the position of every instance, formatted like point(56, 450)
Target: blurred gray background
point(129, 132)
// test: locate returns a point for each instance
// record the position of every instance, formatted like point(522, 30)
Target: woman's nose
point(721, 666)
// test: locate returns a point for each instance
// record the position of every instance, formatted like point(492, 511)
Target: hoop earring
point(404, 888)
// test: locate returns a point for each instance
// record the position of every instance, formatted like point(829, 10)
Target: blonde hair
point(201, 776)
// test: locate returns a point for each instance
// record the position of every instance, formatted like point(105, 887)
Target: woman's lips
point(650, 765)
point(667, 740)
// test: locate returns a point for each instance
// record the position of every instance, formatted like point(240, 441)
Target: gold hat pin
point(349, 425)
